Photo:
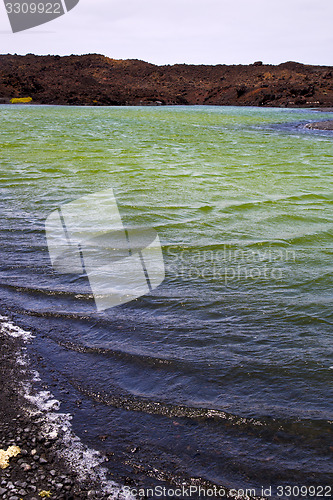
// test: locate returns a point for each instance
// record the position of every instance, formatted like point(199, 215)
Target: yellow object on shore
point(12, 451)
point(21, 100)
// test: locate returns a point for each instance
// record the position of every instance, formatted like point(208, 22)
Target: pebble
point(25, 466)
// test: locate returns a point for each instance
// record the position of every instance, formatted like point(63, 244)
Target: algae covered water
point(223, 374)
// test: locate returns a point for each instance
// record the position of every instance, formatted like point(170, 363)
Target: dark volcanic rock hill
point(97, 80)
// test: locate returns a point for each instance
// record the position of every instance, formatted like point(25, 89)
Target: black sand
point(38, 468)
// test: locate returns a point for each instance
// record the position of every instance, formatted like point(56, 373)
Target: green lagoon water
point(224, 372)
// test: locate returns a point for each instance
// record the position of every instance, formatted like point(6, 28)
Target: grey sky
point(190, 31)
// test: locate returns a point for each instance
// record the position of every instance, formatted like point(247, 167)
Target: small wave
point(316, 237)
point(140, 358)
point(48, 292)
point(309, 430)
point(141, 404)
point(295, 217)
point(248, 204)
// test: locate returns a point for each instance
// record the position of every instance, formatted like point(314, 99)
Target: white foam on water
point(86, 462)
point(7, 327)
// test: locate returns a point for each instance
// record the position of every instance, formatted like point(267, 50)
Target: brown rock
point(98, 81)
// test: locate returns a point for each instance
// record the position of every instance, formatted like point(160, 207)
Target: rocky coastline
point(50, 461)
point(46, 465)
point(96, 80)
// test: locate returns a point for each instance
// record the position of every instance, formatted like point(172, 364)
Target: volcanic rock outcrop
point(98, 80)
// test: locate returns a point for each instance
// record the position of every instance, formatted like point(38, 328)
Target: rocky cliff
point(97, 80)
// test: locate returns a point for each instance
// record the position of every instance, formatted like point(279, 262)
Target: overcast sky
point(185, 31)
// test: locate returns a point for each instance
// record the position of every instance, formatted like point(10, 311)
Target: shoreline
point(52, 461)
point(7, 102)
point(96, 80)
